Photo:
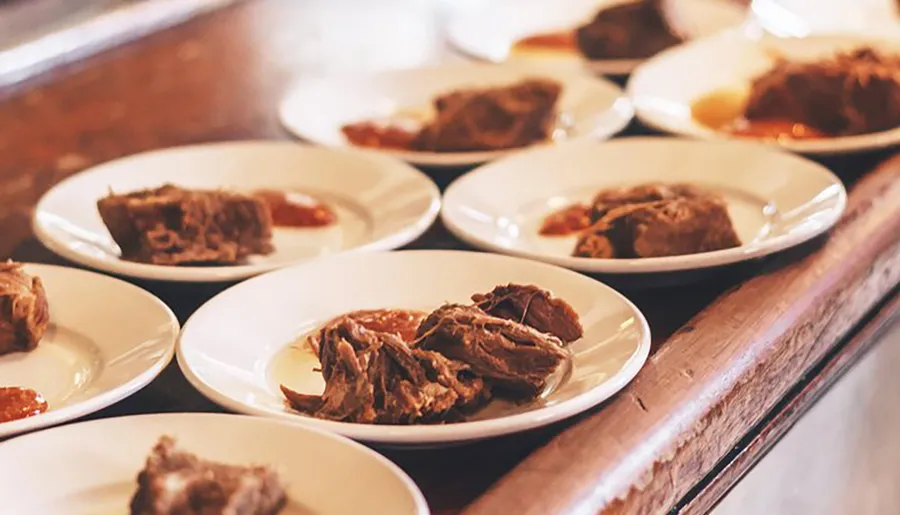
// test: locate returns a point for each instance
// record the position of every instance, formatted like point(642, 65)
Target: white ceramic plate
point(107, 339)
point(380, 203)
point(664, 88)
point(317, 108)
point(489, 30)
point(91, 468)
point(240, 346)
point(775, 199)
point(799, 18)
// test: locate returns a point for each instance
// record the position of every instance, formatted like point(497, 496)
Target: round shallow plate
point(91, 468)
point(241, 345)
point(664, 89)
point(107, 339)
point(799, 18)
point(489, 30)
point(380, 203)
point(317, 108)
point(775, 199)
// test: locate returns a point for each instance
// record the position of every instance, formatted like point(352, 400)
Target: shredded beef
point(24, 312)
point(534, 307)
point(513, 356)
point(633, 30)
point(852, 93)
point(177, 482)
point(175, 226)
point(491, 118)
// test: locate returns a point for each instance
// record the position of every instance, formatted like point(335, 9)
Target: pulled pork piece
point(664, 228)
point(374, 377)
point(514, 357)
point(174, 226)
point(492, 118)
point(607, 200)
point(24, 313)
point(852, 93)
point(177, 482)
point(633, 30)
point(534, 307)
point(400, 322)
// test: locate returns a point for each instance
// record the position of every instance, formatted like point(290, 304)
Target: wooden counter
point(735, 359)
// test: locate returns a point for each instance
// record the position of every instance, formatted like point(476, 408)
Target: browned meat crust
point(492, 118)
point(177, 482)
point(633, 30)
point(852, 93)
point(174, 226)
point(24, 312)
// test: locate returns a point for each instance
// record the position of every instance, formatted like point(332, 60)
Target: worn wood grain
point(789, 410)
point(707, 386)
point(712, 376)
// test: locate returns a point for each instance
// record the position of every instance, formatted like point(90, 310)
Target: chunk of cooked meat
point(517, 359)
point(633, 30)
point(24, 312)
point(532, 306)
point(175, 482)
point(664, 228)
point(471, 391)
point(401, 322)
point(609, 199)
point(175, 226)
point(374, 377)
point(494, 118)
point(852, 93)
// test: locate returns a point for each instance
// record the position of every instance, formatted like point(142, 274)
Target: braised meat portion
point(852, 93)
point(375, 377)
point(177, 482)
point(509, 342)
point(512, 356)
point(534, 307)
point(24, 313)
point(492, 118)
point(656, 229)
point(175, 226)
point(606, 200)
point(632, 30)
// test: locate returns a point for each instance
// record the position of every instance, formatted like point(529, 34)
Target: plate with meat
point(644, 205)
point(415, 347)
point(824, 94)
point(226, 211)
point(605, 36)
point(73, 342)
point(454, 115)
point(167, 464)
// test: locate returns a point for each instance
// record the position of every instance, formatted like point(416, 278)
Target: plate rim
point(107, 398)
point(417, 435)
point(835, 146)
point(620, 113)
point(700, 261)
point(421, 505)
point(195, 274)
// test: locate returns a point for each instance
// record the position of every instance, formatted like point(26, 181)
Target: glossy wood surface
point(720, 362)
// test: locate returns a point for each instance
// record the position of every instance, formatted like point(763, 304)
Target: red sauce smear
point(566, 221)
point(374, 135)
point(296, 210)
point(773, 129)
point(17, 403)
point(402, 322)
point(560, 41)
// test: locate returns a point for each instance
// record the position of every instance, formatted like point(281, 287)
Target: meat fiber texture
point(24, 312)
point(178, 482)
point(852, 93)
point(656, 221)
point(492, 118)
point(462, 356)
point(174, 226)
